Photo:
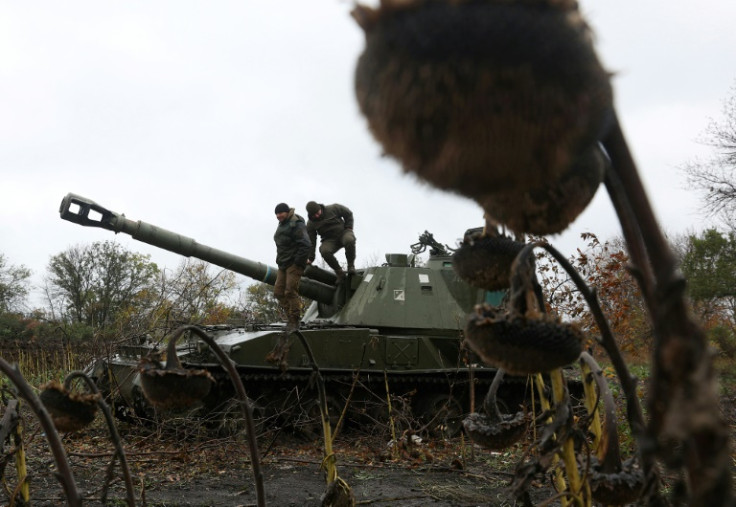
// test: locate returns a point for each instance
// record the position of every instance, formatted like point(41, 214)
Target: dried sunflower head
point(619, 488)
point(481, 97)
point(484, 260)
point(173, 388)
point(520, 345)
point(550, 208)
point(69, 411)
point(496, 435)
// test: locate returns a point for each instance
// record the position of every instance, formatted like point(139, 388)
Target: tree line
point(105, 292)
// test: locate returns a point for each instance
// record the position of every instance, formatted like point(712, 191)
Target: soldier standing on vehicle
point(292, 253)
point(334, 224)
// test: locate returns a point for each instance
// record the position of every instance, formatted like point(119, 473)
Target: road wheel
point(142, 408)
point(230, 420)
point(442, 415)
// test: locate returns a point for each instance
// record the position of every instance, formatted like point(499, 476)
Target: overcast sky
point(200, 117)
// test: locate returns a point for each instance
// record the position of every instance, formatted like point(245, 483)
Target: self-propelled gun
point(395, 328)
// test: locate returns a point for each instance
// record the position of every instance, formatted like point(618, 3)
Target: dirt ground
point(168, 470)
point(217, 472)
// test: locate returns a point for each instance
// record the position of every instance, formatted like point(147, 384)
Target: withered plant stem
point(245, 407)
point(64, 475)
point(611, 455)
point(682, 383)
point(114, 435)
point(329, 456)
point(634, 412)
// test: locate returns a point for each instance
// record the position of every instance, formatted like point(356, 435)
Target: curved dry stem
point(64, 475)
point(682, 382)
point(578, 488)
point(634, 211)
point(227, 363)
point(634, 412)
point(612, 452)
point(329, 459)
point(114, 435)
point(172, 358)
point(632, 234)
point(489, 403)
point(591, 399)
point(544, 402)
point(526, 296)
point(607, 341)
point(338, 492)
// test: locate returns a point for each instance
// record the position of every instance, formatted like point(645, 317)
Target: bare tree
point(13, 285)
point(197, 293)
point(96, 284)
point(259, 304)
point(715, 177)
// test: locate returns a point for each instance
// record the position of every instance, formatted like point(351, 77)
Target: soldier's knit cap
point(313, 207)
point(281, 207)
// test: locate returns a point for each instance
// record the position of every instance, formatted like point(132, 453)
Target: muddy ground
point(169, 469)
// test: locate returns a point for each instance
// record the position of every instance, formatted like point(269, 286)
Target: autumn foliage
point(603, 265)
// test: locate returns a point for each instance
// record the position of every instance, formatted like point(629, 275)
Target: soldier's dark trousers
point(286, 292)
point(328, 248)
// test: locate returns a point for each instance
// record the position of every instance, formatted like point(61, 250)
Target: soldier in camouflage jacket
point(334, 225)
point(292, 255)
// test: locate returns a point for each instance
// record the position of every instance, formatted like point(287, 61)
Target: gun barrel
point(85, 212)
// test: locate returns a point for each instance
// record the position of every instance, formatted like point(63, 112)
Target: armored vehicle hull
point(361, 367)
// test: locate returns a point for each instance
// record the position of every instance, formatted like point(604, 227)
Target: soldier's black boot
point(340, 275)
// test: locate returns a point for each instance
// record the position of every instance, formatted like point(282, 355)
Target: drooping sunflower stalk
point(72, 411)
point(173, 387)
point(65, 475)
point(611, 482)
point(507, 103)
point(338, 492)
